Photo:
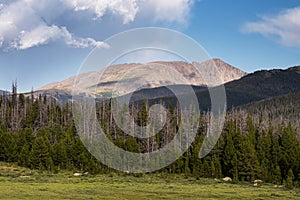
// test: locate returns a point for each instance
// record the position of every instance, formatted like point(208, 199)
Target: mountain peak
point(228, 72)
point(150, 75)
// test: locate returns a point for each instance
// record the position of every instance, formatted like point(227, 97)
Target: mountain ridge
point(139, 76)
point(251, 88)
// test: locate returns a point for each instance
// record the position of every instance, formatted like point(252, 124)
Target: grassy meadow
point(22, 183)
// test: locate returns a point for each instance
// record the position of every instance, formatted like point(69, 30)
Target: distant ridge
point(251, 88)
point(3, 92)
point(263, 84)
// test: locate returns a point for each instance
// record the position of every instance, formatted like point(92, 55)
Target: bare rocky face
point(150, 75)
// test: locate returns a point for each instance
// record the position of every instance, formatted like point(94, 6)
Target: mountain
point(251, 88)
point(263, 84)
point(150, 75)
point(241, 88)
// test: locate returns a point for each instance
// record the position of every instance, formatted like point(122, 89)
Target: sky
point(43, 41)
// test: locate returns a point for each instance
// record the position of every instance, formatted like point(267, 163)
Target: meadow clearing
point(22, 183)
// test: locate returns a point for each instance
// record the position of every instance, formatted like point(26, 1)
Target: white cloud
point(40, 35)
point(24, 24)
point(158, 10)
point(169, 10)
point(44, 34)
point(29, 23)
point(285, 26)
point(85, 42)
point(127, 9)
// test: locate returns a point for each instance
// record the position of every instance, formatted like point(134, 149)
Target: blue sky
point(43, 41)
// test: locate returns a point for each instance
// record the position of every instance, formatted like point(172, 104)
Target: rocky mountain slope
point(131, 77)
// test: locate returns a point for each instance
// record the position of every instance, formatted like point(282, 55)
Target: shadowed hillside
point(250, 88)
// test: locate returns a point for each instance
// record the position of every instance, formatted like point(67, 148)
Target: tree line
point(39, 133)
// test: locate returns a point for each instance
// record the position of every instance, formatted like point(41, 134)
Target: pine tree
point(234, 170)
point(142, 115)
point(228, 154)
point(218, 166)
point(288, 150)
point(83, 161)
point(132, 146)
point(263, 150)
point(195, 161)
point(24, 157)
point(206, 169)
point(248, 165)
point(59, 155)
point(40, 153)
point(49, 163)
point(276, 175)
point(213, 169)
point(289, 180)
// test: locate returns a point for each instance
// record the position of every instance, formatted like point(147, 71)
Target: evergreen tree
point(213, 169)
point(263, 151)
point(217, 167)
point(248, 165)
point(276, 175)
point(24, 157)
point(288, 150)
point(59, 154)
point(229, 152)
point(234, 171)
point(40, 153)
point(206, 171)
point(142, 115)
point(83, 161)
point(289, 180)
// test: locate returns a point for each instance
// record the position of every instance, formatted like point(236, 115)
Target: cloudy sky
point(43, 41)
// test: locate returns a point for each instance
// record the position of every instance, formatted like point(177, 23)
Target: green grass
point(39, 185)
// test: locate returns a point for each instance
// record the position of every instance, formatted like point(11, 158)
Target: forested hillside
point(38, 132)
point(263, 84)
point(251, 88)
point(279, 110)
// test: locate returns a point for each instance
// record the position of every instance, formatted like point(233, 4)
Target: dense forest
point(279, 110)
point(38, 132)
